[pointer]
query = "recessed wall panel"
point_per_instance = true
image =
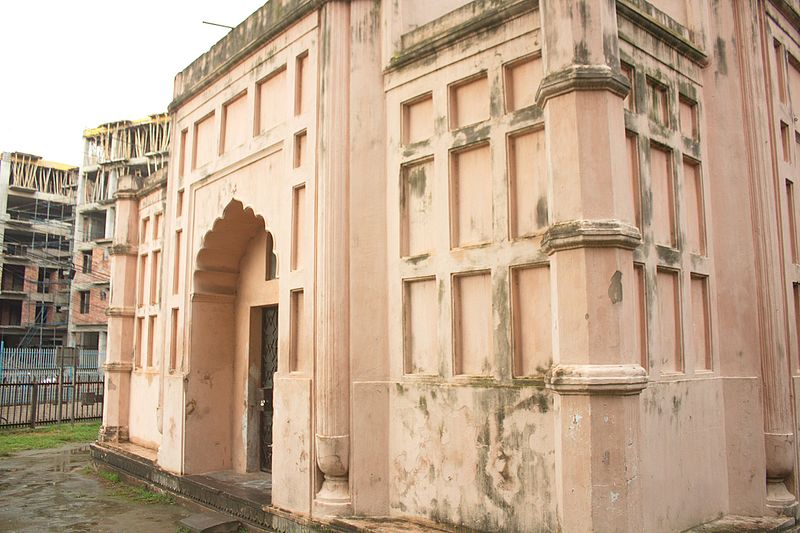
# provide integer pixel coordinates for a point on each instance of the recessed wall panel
(471, 196)
(299, 222)
(527, 162)
(417, 230)
(203, 142)
(472, 324)
(522, 81)
(236, 127)
(469, 101)
(420, 331)
(418, 119)
(669, 348)
(532, 320)
(640, 315)
(632, 150)
(663, 195)
(701, 323)
(693, 207)
(272, 101)
(299, 356)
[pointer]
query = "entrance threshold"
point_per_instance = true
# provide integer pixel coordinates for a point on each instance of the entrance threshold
(254, 488)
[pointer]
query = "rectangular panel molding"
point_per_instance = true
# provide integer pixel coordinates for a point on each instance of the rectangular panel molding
(472, 324)
(532, 320)
(420, 330)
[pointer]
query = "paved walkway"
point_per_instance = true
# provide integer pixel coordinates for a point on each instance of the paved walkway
(50, 490)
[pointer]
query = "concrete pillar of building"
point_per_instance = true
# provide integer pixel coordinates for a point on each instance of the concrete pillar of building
(596, 375)
(121, 313)
(754, 45)
(332, 372)
(5, 178)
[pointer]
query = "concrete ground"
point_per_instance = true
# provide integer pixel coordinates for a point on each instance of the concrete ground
(52, 490)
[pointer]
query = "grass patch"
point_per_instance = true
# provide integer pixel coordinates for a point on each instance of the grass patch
(21, 439)
(113, 477)
(136, 494)
(143, 495)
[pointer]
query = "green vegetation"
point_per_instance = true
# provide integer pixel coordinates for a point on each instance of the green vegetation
(113, 477)
(142, 495)
(137, 494)
(20, 439)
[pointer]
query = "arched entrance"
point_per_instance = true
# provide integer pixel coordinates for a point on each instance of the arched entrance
(233, 346)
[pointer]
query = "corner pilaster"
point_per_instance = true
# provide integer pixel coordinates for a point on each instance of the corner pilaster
(596, 376)
(121, 316)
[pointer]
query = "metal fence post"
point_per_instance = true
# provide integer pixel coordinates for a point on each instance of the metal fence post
(34, 404)
(60, 387)
(74, 394)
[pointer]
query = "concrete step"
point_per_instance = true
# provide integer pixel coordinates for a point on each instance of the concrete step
(210, 522)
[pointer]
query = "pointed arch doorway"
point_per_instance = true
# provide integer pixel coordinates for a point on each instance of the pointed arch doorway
(233, 352)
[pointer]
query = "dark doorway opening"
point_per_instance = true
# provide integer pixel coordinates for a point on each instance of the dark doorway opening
(269, 365)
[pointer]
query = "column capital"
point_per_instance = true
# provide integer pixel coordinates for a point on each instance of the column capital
(125, 194)
(618, 380)
(608, 233)
(122, 312)
(122, 249)
(118, 367)
(582, 78)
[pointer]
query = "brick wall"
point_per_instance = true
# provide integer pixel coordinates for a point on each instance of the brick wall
(87, 282)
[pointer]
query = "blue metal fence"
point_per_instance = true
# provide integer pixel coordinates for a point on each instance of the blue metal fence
(37, 388)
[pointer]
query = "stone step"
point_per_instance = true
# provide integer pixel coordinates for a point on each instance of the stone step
(210, 522)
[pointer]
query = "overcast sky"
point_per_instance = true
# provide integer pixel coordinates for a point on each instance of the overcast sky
(70, 65)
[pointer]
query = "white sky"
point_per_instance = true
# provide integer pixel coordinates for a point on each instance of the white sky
(70, 65)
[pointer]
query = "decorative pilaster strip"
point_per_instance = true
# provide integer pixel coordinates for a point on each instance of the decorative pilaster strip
(333, 266)
(770, 278)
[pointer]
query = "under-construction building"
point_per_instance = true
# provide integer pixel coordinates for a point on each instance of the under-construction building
(126, 150)
(37, 199)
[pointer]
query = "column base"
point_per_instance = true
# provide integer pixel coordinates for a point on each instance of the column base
(330, 507)
(113, 434)
(779, 449)
(779, 500)
(333, 458)
(333, 499)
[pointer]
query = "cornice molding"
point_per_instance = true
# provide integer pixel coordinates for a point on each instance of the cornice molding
(259, 28)
(635, 11)
(493, 15)
(787, 10)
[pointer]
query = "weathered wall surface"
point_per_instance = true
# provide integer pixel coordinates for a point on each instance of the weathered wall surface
(467, 203)
(683, 453)
(498, 441)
